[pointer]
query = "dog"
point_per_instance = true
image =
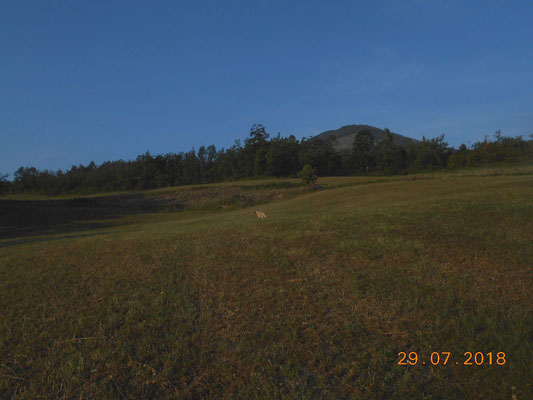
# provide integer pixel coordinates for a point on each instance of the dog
(260, 214)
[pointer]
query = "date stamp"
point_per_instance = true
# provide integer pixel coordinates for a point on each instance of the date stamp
(446, 358)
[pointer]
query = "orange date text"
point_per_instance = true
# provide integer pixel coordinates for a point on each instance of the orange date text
(446, 358)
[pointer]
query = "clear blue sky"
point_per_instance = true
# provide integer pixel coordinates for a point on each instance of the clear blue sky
(103, 80)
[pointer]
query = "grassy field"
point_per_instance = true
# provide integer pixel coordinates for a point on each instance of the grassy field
(314, 302)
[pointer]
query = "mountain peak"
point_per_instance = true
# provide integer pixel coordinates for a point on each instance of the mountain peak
(345, 136)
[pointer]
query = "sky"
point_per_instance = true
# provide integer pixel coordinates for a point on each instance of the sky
(85, 81)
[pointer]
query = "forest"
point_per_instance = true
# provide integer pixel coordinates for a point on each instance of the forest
(262, 155)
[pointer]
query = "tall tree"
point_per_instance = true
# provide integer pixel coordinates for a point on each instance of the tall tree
(258, 135)
(4, 183)
(255, 151)
(363, 150)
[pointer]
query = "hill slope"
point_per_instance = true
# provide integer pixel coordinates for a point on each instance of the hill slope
(345, 136)
(318, 301)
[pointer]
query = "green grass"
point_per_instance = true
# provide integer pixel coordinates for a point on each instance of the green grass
(316, 301)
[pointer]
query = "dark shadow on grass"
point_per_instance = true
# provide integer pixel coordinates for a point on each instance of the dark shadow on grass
(21, 218)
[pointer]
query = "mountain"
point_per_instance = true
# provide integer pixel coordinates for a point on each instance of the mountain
(345, 136)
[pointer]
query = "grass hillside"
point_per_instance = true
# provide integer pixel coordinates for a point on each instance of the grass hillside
(316, 301)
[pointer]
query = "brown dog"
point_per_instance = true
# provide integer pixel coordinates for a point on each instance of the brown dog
(260, 214)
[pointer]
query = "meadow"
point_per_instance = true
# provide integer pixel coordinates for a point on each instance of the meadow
(194, 297)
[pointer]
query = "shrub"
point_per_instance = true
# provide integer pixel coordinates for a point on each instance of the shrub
(308, 175)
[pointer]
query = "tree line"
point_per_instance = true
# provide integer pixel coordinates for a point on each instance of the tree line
(261, 155)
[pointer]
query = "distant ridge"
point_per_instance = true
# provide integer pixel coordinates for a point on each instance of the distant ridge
(345, 136)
